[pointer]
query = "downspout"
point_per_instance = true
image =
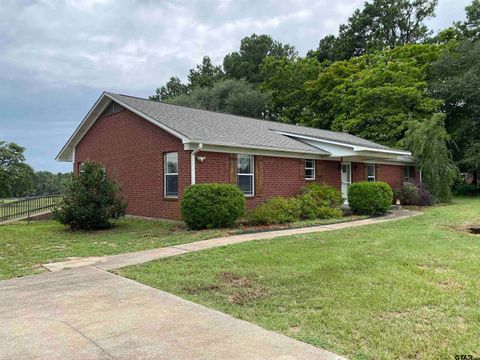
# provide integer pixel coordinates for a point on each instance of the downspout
(192, 163)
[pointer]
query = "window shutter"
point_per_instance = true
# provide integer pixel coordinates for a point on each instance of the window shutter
(302, 169)
(258, 175)
(233, 168)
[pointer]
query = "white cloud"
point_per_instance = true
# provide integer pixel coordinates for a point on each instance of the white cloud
(140, 44)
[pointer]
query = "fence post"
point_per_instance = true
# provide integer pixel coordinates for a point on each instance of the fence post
(28, 211)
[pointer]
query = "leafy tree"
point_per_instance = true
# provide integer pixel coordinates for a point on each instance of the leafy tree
(47, 183)
(205, 74)
(172, 88)
(284, 79)
(15, 176)
(374, 96)
(470, 28)
(245, 64)
(428, 142)
(231, 96)
(380, 24)
(91, 199)
(456, 80)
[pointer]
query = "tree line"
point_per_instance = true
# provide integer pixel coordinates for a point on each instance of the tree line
(385, 77)
(18, 179)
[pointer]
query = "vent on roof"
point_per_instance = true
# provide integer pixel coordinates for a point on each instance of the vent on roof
(112, 109)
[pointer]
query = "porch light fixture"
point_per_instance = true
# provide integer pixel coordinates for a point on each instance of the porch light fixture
(201, 158)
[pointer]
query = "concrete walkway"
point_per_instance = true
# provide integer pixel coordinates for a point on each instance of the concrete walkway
(117, 261)
(87, 313)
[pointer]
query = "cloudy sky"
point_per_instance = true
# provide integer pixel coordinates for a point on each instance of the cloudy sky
(56, 57)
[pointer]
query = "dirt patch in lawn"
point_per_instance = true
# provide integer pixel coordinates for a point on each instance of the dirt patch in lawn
(472, 228)
(238, 290)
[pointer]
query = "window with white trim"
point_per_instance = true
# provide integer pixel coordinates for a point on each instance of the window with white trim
(371, 175)
(406, 173)
(171, 174)
(309, 169)
(245, 174)
(81, 169)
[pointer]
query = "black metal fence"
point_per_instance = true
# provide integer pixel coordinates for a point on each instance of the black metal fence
(26, 207)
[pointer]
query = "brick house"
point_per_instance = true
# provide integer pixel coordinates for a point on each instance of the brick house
(156, 150)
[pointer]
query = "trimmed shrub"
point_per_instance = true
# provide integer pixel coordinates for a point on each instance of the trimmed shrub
(370, 198)
(318, 201)
(90, 200)
(206, 206)
(276, 210)
(464, 189)
(413, 194)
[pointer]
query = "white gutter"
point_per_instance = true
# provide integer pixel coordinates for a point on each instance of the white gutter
(192, 163)
(356, 148)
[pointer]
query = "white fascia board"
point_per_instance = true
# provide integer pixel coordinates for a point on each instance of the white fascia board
(383, 151)
(356, 148)
(69, 143)
(255, 150)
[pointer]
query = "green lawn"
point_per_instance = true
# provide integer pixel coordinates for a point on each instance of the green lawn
(24, 247)
(405, 289)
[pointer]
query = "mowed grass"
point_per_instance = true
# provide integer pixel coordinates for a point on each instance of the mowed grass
(408, 289)
(24, 247)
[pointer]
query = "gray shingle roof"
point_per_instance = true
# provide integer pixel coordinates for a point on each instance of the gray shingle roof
(232, 130)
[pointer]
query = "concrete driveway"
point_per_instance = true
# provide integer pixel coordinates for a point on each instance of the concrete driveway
(87, 313)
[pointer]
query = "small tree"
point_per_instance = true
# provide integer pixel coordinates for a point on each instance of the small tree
(90, 200)
(428, 141)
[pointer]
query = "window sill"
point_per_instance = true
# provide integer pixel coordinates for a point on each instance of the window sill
(309, 179)
(170, 198)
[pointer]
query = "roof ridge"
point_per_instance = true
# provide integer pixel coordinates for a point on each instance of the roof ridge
(291, 126)
(236, 115)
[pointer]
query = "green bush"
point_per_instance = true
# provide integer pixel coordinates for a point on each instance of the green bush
(413, 194)
(316, 200)
(206, 206)
(276, 210)
(90, 200)
(408, 194)
(370, 198)
(329, 213)
(464, 189)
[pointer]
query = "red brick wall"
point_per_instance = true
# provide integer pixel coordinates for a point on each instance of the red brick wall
(281, 176)
(329, 173)
(215, 168)
(132, 150)
(391, 174)
(359, 172)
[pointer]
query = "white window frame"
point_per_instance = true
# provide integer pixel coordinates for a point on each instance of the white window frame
(310, 168)
(251, 174)
(374, 176)
(166, 173)
(80, 168)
